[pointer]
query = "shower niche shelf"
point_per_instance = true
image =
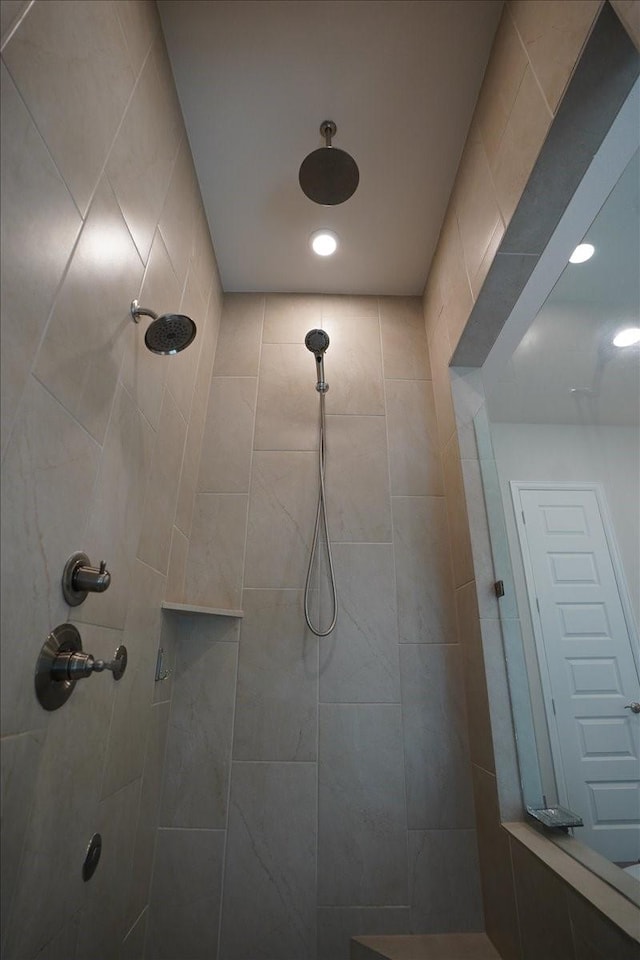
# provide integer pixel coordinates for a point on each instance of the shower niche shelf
(196, 608)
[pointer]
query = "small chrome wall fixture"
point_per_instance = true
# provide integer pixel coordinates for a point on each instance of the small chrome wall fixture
(79, 578)
(168, 334)
(62, 663)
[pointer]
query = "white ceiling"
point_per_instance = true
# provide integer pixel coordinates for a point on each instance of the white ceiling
(255, 79)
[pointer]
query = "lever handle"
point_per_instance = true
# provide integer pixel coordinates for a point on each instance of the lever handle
(75, 665)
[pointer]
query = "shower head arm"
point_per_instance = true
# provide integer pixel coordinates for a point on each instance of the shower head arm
(328, 130)
(137, 312)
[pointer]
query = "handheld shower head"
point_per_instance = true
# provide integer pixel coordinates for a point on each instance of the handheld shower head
(317, 342)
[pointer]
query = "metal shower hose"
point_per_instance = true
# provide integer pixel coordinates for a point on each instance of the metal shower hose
(321, 517)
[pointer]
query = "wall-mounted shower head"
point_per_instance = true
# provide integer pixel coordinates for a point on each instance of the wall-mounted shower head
(168, 334)
(317, 342)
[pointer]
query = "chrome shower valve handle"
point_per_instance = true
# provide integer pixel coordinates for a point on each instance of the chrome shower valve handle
(62, 663)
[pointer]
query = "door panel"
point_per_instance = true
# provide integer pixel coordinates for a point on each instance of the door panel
(585, 650)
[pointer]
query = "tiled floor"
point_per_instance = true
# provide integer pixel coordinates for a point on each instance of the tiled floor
(446, 946)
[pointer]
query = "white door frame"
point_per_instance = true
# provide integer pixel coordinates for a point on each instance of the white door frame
(618, 572)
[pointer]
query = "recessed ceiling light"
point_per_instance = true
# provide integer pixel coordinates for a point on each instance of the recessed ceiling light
(584, 251)
(324, 242)
(627, 337)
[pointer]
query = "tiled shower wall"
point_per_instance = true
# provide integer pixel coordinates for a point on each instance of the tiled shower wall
(536, 48)
(316, 789)
(100, 447)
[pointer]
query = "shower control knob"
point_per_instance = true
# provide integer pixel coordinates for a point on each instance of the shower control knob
(62, 662)
(79, 578)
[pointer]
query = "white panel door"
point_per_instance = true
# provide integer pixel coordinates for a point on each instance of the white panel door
(586, 640)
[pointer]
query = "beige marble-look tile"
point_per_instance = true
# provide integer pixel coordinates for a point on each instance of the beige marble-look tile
(457, 513)
(498, 895)
(553, 33)
(203, 263)
(177, 565)
(629, 13)
(214, 564)
(182, 371)
(48, 477)
(133, 693)
(144, 373)
(20, 760)
(594, 937)
(140, 24)
(148, 819)
(353, 365)
(436, 751)
(444, 881)
(90, 327)
(145, 149)
(476, 204)
(455, 287)
(521, 143)
(289, 316)
(225, 462)
(404, 340)
(440, 350)
(238, 350)
(505, 70)
(40, 223)
(479, 277)
(432, 300)
(133, 944)
(198, 758)
(176, 223)
(357, 480)
(113, 530)
(337, 925)
(540, 893)
(414, 455)
(193, 446)
(347, 308)
(284, 491)
(359, 659)
(426, 608)
(277, 691)
(475, 681)
(162, 488)
(10, 13)
(287, 404)
(69, 771)
(76, 101)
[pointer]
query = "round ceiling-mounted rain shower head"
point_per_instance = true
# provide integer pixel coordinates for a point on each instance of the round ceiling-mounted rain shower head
(329, 176)
(168, 334)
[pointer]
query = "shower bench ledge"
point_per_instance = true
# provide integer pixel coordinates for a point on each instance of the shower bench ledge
(438, 946)
(196, 608)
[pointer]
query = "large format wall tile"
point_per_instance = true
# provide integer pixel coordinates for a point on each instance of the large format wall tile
(277, 692)
(269, 907)
(176, 223)
(47, 480)
(287, 406)
(540, 893)
(214, 565)
(438, 770)
(238, 352)
(181, 371)
(90, 327)
(362, 852)
(404, 342)
(359, 660)
(281, 515)
(228, 434)
(353, 365)
(426, 611)
(475, 687)
(187, 889)
(198, 756)
(117, 509)
(76, 101)
(336, 926)
(39, 226)
(162, 487)
(357, 478)
(145, 149)
(444, 881)
(414, 457)
(288, 317)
